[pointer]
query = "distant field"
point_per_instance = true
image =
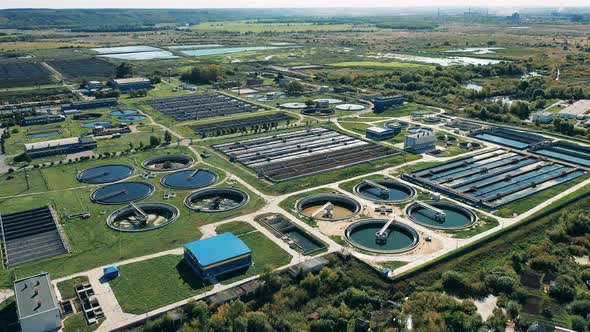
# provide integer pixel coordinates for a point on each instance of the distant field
(84, 68)
(245, 26)
(378, 64)
(31, 46)
(24, 74)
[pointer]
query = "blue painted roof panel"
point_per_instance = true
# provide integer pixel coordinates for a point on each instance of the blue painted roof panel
(217, 249)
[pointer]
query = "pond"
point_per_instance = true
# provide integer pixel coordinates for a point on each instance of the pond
(476, 50)
(442, 61)
(44, 134)
(225, 50)
(141, 55)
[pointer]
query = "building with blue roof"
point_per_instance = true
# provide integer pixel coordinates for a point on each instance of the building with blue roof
(217, 255)
(382, 133)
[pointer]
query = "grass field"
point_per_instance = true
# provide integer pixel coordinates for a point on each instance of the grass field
(235, 227)
(252, 26)
(150, 284)
(265, 254)
(153, 283)
(77, 323)
(66, 288)
(31, 46)
(377, 64)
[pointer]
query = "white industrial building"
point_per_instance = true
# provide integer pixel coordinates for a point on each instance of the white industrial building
(36, 304)
(420, 142)
(578, 110)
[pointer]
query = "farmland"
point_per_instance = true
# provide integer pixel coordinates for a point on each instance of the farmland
(84, 68)
(24, 74)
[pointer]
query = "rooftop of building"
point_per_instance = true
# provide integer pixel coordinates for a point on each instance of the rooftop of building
(578, 108)
(388, 97)
(102, 100)
(34, 295)
(217, 249)
(379, 129)
(43, 116)
(54, 143)
(131, 80)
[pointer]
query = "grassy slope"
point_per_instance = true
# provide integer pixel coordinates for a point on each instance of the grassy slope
(235, 227)
(66, 288)
(156, 282)
(265, 253)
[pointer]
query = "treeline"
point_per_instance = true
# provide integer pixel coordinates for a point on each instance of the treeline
(202, 74)
(89, 18)
(550, 262)
(120, 28)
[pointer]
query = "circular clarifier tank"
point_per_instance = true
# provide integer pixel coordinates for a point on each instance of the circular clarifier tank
(396, 124)
(415, 130)
(294, 105)
(122, 192)
(142, 217)
(95, 124)
(317, 111)
(385, 191)
(167, 162)
(446, 138)
(369, 235)
(350, 107)
(123, 112)
(132, 118)
(328, 207)
(216, 199)
(328, 100)
(441, 215)
(469, 145)
(105, 174)
(189, 179)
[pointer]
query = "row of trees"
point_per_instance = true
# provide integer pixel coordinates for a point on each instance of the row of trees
(202, 74)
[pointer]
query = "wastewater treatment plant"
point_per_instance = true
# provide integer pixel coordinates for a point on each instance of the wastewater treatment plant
(294, 170)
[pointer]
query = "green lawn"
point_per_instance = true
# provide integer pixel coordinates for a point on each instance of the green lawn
(66, 288)
(377, 64)
(153, 283)
(252, 26)
(265, 254)
(394, 264)
(235, 227)
(77, 323)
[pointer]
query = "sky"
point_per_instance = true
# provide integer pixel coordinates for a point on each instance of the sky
(284, 3)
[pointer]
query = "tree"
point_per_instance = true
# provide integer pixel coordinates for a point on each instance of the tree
(124, 70)
(455, 283)
(154, 141)
(294, 88)
(564, 289)
(258, 322)
(202, 74)
(167, 137)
